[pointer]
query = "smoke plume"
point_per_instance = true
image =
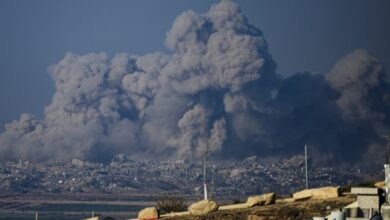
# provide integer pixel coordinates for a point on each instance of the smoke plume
(216, 91)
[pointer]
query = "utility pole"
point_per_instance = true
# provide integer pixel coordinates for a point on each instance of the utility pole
(204, 176)
(307, 179)
(213, 188)
(388, 148)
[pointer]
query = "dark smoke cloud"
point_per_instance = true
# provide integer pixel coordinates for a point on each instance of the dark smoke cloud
(216, 91)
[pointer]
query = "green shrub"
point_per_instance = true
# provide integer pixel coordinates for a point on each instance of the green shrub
(167, 204)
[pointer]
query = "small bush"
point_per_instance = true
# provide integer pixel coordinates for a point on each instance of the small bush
(237, 201)
(367, 184)
(168, 204)
(345, 189)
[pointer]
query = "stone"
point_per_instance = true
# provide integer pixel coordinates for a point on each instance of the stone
(365, 191)
(368, 202)
(326, 193)
(149, 213)
(203, 207)
(318, 193)
(304, 194)
(264, 199)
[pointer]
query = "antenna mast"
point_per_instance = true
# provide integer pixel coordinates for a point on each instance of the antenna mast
(307, 179)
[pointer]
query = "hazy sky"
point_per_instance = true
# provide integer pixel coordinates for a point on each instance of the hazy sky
(303, 35)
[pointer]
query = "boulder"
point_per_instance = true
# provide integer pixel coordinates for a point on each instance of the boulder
(203, 207)
(318, 193)
(149, 213)
(264, 199)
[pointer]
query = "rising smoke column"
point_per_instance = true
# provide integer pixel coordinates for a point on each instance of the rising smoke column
(216, 91)
(363, 91)
(166, 103)
(354, 77)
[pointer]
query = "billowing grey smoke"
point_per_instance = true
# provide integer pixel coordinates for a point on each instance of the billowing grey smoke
(216, 91)
(354, 77)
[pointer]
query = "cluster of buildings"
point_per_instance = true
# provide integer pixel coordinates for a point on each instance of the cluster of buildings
(246, 177)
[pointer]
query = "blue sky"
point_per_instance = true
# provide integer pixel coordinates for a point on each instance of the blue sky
(303, 35)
